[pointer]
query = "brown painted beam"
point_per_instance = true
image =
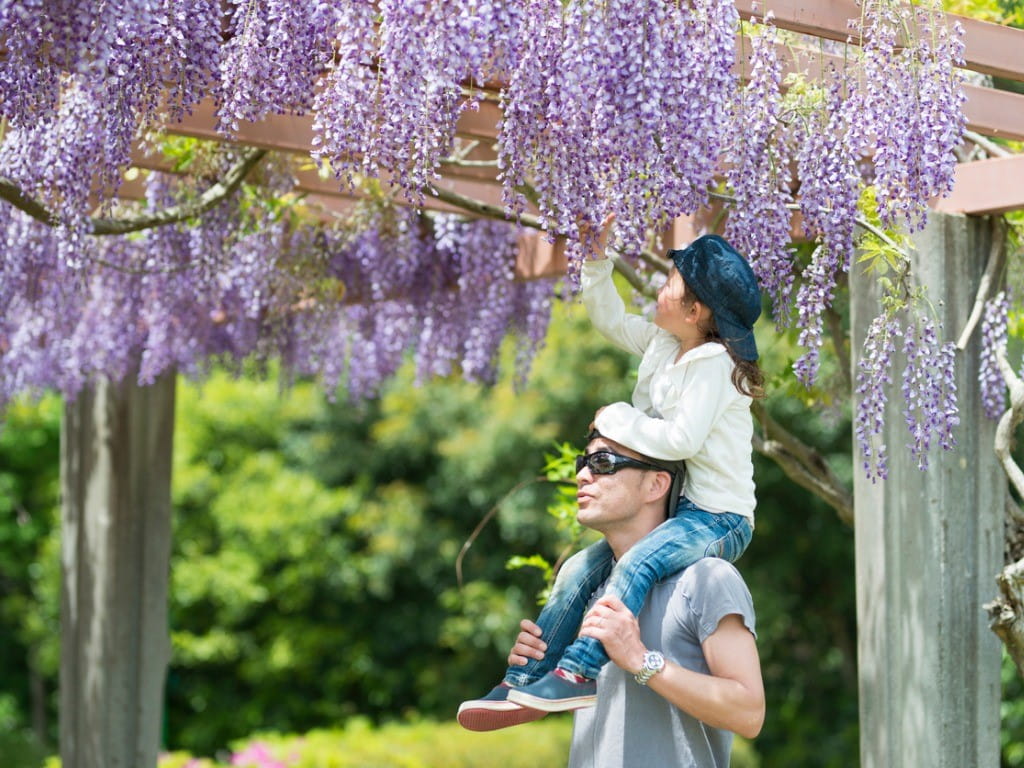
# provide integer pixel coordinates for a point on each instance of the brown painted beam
(988, 111)
(990, 49)
(986, 187)
(329, 193)
(294, 133)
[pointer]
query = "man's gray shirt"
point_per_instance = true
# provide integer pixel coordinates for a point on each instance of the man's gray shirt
(633, 727)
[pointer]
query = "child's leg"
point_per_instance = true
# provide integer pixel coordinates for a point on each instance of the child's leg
(578, 578)
(675, 544)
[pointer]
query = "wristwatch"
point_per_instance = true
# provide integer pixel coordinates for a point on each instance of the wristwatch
(654, 662)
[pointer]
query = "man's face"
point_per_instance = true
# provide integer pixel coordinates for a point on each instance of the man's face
(607, 500)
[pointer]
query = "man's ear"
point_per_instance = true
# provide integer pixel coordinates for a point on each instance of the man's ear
(659, 483)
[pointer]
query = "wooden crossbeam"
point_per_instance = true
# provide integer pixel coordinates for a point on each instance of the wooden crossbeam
(986, 187)
(990, 49)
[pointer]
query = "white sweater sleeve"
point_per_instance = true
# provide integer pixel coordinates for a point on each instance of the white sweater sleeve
(607, 312)
(686, 422)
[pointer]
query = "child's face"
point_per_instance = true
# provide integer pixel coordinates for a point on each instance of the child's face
(671, 311)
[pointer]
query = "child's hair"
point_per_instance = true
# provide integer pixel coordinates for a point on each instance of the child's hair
(747, 376)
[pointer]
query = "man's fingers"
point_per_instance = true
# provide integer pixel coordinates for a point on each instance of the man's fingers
(612, 602)
(528, 626)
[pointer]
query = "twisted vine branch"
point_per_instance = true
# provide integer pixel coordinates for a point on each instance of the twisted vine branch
(12, 193)
(1006, 612)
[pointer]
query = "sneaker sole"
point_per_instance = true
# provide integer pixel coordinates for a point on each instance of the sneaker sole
(552, 705)
(492, 719)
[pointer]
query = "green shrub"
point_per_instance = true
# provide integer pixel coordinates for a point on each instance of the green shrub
(20, 749)
(421, 744)
(417, 745)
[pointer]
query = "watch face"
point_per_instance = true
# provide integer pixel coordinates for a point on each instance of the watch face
(654, 660)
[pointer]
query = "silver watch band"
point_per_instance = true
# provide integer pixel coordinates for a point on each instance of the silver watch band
(654, 662)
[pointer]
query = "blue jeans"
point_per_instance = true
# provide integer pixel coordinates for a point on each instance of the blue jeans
(680, 541)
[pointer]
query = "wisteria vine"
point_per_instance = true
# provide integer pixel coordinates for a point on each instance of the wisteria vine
(626, 106)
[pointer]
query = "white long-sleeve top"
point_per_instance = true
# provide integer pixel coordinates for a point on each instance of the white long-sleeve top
(686, 409)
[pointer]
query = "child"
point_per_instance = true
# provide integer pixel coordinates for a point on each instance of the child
(697, 375)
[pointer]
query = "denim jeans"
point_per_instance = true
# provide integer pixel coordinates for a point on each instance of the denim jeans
(680, 541)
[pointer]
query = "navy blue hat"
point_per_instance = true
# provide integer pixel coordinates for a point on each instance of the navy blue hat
(723, 281)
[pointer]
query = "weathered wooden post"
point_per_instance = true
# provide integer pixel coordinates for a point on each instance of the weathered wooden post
(928, 545)
(116, 509)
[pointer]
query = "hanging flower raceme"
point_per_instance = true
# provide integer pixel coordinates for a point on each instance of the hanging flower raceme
(759, 175)
(993, 344)
(618, 107)
(874, 375)
(910, 105)
(275, 54)
(390, 102)
(929, 390)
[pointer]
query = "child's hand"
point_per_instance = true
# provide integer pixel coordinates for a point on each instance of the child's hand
(528, 645)
(601, 242)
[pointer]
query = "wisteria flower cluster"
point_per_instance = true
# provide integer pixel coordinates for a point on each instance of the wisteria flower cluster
(346, 307)
(618, 107)
(993, 343)
(874, 376)
(929, 389)
(391, 99)
(759, 177)
(637, 107)
(927, 384)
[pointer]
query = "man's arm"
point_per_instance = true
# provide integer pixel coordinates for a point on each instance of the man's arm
(731, 697)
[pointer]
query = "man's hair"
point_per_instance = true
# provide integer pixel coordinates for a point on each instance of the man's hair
(675, 468)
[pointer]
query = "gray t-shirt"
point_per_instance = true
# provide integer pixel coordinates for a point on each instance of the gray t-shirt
(633, 727)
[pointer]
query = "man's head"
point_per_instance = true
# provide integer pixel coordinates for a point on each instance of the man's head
(621, 493)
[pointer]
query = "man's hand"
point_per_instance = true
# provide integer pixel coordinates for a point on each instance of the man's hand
(528, 645)
(611, 622)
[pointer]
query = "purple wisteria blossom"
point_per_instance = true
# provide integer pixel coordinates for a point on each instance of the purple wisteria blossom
(993, 344)
(929, 390)
(874, 375)
(634, 107)
(348, 306)
(759, 176)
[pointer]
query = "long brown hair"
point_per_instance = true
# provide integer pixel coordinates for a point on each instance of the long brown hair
(747, 376)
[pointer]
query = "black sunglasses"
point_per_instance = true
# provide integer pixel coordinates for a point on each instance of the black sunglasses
(608, 463)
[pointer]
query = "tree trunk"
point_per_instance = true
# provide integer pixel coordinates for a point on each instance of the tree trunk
(115, 480)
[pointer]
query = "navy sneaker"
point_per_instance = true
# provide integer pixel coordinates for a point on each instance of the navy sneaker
(555, 693)
(495, 711)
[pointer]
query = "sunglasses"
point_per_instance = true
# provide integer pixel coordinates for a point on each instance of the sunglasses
(608, 463)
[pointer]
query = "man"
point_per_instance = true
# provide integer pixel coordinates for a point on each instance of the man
(685, 675)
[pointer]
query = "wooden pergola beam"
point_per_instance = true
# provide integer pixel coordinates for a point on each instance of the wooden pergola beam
(986, 187)
(990, 49)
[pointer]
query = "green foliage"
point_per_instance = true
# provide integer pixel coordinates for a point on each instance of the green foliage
(29, 561)
(559, 469)
(19, 747)
(1009, 12)
(419, 744)
(315, 543)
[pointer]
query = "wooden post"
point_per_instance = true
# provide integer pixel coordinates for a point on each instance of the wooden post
(928, 546)
(115, 553)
